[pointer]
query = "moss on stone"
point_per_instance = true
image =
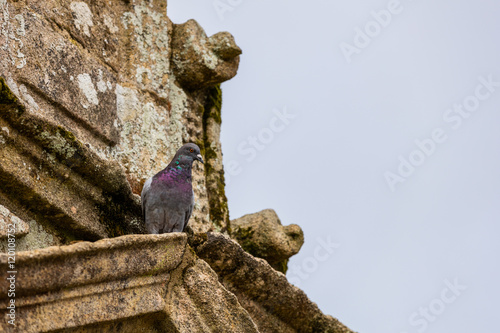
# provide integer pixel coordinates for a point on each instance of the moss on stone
(7, 97)
(214, 104)
(281, 266)
(219, 212)
(218, 208)
(197, 239)
(201, 144)
(61, 144)
(54, 139)
(245, 237)
(39, 208)
(67, 135)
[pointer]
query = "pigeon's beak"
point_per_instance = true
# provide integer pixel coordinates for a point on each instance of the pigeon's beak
(199, 158)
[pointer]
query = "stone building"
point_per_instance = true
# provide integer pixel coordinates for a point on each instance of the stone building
(95, 97)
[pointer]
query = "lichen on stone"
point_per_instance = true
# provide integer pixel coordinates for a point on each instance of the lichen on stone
(56, 143)
(152, 40)
(83, 17)
(37, 238)
(88, 89)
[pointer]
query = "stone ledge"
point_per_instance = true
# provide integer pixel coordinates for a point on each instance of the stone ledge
(156, 283)
(133, 283)
(89, 263)
(274, 304)
(62, 287)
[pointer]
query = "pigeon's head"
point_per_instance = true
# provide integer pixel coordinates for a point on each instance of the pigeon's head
(188, 154)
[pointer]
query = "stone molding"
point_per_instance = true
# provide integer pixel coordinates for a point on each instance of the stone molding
(133, 283)
(58, 180)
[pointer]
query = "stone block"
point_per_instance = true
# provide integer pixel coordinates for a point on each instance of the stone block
(263, 235)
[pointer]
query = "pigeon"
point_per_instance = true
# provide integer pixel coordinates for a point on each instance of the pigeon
(167, 197)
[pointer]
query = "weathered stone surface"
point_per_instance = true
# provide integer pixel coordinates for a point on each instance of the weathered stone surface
(262, 235)
(223, 44)
(102, 71)
(37, 237)
(214, 170)
(56, 78)
(114, 285)
(273, 303)
(95, 97)
(198, 303)
(200, 61)
(155, 283)
(11, 224)
(61, 183)
(59, 288)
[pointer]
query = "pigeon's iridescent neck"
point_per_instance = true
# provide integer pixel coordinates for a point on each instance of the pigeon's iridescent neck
(176, 171)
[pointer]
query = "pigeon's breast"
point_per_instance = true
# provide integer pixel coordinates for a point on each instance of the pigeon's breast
(168, 187)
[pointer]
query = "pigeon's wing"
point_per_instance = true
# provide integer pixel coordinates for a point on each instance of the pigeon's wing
(188, 213)
(144, 196)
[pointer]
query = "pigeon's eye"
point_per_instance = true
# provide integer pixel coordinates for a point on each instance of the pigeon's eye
(191, 150)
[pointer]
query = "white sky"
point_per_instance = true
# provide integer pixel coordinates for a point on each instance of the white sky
(396, 254)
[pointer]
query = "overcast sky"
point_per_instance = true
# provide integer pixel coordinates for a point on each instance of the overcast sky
(374, 125)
